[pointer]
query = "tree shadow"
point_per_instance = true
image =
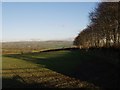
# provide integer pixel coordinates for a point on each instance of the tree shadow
(18, 82)
(91, 65)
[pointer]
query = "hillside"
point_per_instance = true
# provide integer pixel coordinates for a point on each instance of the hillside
(33, 46)
(80, 68)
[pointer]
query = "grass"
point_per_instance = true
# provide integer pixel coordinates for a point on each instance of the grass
(29, 71)
(32, 46)
(61, 69)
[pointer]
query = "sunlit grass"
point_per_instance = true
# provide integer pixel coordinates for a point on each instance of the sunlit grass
(28, 72)
(64, 68)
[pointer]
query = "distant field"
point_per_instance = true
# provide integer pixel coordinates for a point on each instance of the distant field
(62, 69)
(33, 46)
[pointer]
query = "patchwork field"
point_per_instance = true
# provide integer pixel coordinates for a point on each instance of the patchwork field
(33, 46)
(61, 69)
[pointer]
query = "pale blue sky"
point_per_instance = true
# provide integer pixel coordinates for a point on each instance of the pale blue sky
(0, 22)
(53, 0)
(44, 21)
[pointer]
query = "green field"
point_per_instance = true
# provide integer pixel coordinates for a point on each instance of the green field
(32, 46)
(61, 69)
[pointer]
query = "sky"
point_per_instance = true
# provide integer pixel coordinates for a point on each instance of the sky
(0, 22)
(52, 0)
(22, 21)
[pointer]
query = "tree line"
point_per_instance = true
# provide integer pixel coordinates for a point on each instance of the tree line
(103, 29)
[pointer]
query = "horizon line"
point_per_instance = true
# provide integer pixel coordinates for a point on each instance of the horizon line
(35, 40)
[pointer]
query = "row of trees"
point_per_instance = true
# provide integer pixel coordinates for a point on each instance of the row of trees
(103, 29)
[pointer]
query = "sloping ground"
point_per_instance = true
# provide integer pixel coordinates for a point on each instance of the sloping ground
(18, 73)
(63, 68)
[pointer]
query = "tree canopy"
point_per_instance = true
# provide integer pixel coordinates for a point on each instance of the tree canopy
(103, 29)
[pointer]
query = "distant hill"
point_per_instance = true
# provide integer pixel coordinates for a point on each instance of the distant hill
(33, 46)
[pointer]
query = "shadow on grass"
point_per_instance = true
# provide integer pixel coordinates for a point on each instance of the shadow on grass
(18, 82)
(97, 66)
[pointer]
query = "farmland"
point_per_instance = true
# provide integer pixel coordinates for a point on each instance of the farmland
(87, 56)
(61, 68)
(30, 71)
(32, 46)
(74, 68)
